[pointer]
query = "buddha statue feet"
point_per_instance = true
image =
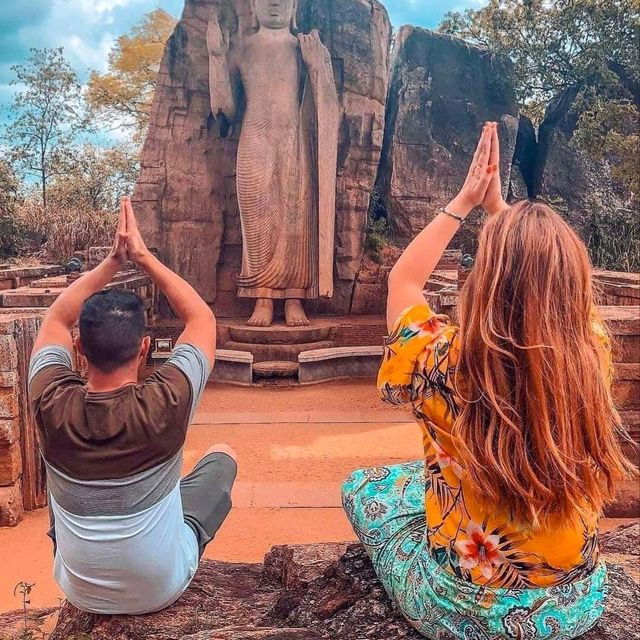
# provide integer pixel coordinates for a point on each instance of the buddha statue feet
(294, 314)
(262, 314)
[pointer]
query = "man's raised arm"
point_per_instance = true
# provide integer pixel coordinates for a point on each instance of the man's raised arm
(64, 312)
(200, 323)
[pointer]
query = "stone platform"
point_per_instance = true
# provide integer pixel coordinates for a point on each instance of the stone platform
(42, 292)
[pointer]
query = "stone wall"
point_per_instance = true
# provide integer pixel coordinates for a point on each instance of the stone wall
(22, 479)
(186, 195)
(12, 277)
(372, 284)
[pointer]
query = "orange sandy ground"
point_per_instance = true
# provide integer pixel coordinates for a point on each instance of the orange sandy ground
(295, 446)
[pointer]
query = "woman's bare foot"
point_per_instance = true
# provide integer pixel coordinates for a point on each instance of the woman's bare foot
(294, 314)
(262, 314)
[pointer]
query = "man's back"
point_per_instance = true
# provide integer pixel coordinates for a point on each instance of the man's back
(128, 532)
(113, 469)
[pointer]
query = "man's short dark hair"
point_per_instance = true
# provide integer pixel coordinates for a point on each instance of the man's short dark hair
(112, 326)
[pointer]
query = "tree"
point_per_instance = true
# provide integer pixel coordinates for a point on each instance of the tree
(10, 229)
(46, 116)
(9, 188)
(124, 95)
(95, 178)
(557, 44)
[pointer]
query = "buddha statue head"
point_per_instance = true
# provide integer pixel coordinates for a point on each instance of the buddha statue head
(275, 14)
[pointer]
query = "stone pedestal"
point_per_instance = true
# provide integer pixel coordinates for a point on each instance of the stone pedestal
(274, 349)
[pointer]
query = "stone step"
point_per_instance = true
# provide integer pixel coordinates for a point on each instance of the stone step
(277, 352)
(275, 369)
(281, 334)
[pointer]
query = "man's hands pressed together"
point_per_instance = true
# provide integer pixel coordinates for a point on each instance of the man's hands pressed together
(128, 244)
(128, 235)
(200, 323)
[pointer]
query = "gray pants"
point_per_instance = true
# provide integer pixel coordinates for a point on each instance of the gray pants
(206, 495)
(206, 498)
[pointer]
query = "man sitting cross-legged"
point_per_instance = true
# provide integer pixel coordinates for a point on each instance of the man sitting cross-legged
(128, 533)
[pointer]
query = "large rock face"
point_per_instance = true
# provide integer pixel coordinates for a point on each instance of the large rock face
(318, 592)
(579, 188)
(441, 92)
(186, 194)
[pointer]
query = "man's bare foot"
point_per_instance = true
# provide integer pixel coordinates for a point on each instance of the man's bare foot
(262, 314)
(294, 314)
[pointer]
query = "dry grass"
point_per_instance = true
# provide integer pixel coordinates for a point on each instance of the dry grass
(54, 234)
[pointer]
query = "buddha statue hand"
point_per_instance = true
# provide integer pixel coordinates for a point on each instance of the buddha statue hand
(314, 53)
(217, 41)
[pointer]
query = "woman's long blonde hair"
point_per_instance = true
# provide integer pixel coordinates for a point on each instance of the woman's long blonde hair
(538, 432)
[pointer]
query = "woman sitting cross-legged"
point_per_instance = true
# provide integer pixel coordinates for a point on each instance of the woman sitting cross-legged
(494, 534)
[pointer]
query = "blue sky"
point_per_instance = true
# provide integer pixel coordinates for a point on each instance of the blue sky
(87, 28)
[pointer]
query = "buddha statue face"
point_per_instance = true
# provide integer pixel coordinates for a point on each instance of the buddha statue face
(275, 14)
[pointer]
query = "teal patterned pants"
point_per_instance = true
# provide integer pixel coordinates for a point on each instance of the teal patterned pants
(386, 508)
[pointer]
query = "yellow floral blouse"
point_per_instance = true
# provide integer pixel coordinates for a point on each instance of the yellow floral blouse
(419, 365)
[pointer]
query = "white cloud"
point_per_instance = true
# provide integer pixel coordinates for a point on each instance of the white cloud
(84, 53)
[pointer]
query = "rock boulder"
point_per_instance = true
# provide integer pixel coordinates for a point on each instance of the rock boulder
(442, 90)
(581, 189)
(318, 592)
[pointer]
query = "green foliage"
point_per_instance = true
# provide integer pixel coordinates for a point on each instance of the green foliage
(95, 178)
(614, 240)
(608, 130)
(557, 44)
(377, 238)
(124, 94)
(46, 117)
(378, 232)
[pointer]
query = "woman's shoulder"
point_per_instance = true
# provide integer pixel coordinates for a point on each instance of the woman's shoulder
(419, 338)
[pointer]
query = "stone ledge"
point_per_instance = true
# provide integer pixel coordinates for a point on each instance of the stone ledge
(335, 353)
(229, 355)
(232, 366)
(322, 365)
(317, 592)
(317, 331)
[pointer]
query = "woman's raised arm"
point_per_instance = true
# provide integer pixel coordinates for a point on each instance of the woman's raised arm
(407, 279)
